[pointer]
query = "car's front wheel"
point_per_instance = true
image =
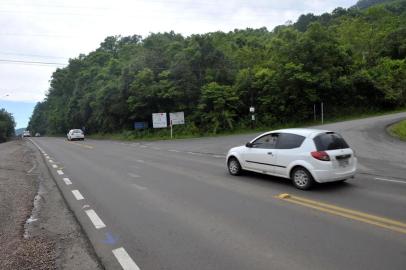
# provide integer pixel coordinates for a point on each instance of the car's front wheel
(234, 167)
(301, 178)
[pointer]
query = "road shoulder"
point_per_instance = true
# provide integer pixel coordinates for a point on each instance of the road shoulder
(51, 238)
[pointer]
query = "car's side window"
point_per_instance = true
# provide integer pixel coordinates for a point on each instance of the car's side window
(266, 142)
(289, 141)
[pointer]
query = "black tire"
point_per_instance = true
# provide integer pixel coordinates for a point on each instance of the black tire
(234, 166)
(302, 178)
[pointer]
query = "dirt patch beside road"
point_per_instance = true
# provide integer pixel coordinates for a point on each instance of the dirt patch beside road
(51, 239)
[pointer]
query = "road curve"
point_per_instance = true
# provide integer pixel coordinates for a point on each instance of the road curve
(172, 204)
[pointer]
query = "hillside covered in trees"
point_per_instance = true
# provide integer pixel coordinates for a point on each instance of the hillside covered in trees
(351, 60)
(7, 125)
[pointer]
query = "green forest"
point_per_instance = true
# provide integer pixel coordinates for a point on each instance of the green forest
(351, 60)
(7, 125)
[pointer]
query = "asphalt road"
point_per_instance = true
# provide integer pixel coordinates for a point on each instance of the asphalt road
(173, 205)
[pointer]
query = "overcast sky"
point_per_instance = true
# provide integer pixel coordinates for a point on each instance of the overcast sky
(52, 31)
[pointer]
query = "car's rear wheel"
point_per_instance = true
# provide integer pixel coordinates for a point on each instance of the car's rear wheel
(234, 167)
(301, 178)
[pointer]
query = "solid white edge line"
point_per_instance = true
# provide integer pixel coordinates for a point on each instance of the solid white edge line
(390, 180)
(67, 181)
(124, 259)
(94, 218)
(78, 195)
(60, 172)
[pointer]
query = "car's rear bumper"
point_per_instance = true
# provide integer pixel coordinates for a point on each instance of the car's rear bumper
(324, 176)
(77, 137)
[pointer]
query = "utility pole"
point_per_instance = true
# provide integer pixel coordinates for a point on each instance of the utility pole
(314, 111)
(322, 113)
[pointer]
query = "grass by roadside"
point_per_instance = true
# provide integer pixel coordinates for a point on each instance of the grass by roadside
(182, 132)
(399, 130)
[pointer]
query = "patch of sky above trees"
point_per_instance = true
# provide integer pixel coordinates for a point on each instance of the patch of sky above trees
(351, 60)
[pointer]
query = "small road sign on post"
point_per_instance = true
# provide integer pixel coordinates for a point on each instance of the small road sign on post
(159, 120)
(176, 118)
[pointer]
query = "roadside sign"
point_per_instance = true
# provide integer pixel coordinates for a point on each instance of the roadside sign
(159, 120)
(177, 118)
(140, 125)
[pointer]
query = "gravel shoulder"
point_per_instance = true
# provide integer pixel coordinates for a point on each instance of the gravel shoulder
(37, 230)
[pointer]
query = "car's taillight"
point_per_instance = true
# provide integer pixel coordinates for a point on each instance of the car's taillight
(321, 155)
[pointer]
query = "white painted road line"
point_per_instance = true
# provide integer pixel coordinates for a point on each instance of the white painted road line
(134, 175)
(54, 166)
(67, 181)
(60, 172)
(173, 150)
(94, 218)
(77, 195)
(140, 161)
(124, 259)
(390, 180)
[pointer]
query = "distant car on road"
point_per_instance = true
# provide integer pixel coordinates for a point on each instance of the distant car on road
(37, 135)
(303, 155)
(75, 134)
(26, 133)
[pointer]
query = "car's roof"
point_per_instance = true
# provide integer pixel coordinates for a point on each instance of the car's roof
(301, 131)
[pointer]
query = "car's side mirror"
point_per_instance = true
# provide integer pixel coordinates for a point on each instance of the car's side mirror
(248, 144)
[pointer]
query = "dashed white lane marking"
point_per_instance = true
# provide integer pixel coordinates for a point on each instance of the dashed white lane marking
(173, 150)
(134, 175)
(67, 181)
(51, 161)
(143, 146)
(390, 180)
(140, 161)
(94, 218)
(54, 166)
(124, 259)
(77, 195)
(60, 172)
(219, 156)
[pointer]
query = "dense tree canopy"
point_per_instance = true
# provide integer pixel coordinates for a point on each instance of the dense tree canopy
(348, 59)
(7, 125)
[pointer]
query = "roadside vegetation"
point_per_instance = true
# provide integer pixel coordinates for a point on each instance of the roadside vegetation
(399, 130)
(7, 125)
(351, 60)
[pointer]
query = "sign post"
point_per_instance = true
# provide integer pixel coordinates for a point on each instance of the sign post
(171, 130)
(176, 118)
(252, 111)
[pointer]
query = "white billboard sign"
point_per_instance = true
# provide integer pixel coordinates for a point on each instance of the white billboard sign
(177, 118)
(159, 120)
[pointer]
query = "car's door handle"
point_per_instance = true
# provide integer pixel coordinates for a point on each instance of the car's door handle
(270, 153)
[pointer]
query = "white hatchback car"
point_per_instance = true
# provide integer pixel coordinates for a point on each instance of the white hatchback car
(75, 134)
(303, 155)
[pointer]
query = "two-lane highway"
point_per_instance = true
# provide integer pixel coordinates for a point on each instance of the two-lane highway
(172, 204)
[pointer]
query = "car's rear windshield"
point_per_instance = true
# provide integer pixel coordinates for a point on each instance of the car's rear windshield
(77, 131)
(329, 141)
